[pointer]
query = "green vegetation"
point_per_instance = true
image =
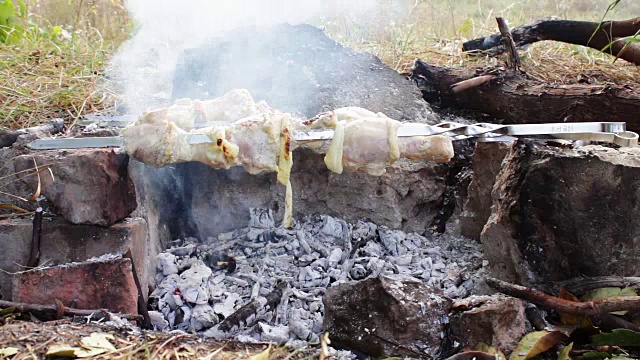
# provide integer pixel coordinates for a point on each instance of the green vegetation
(53, 52)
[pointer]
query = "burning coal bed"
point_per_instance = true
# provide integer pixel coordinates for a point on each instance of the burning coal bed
(264, 283)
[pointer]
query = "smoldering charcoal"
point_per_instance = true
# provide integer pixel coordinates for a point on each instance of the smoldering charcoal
(264, 283)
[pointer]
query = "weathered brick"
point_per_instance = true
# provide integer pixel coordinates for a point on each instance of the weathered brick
(98, 284)
(62, 242)
(90, 186)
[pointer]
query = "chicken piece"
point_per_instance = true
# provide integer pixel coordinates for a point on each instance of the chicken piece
(188, 114)
(329, 119)
(255, 143)
(372, 143)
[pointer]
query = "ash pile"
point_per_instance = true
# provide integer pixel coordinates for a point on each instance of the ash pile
(265, 283)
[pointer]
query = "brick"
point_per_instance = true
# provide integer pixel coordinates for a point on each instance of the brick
(62, 242)
(104, 284)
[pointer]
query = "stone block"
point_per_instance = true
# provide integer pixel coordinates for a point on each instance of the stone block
(486, 164)
(386, 316)
(499, 322)
(106, 283)
(560, 213)
(89, 186)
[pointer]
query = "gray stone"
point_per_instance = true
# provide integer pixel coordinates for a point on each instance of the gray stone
(486, 164)
(89, 186)
(497, 321)
(62, 242)
(561, 213)
(372, 315)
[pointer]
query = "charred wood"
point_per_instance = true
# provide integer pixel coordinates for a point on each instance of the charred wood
(34, 255)
(516, 99)
(569, 31)
(251, 310)
(9, 137)
(142, 304)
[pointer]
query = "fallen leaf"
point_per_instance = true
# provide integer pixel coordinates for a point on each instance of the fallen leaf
(61, 350)
(8, 351)
(618, 337)
(536, 343)
(85, 353)
(608, 293)
(99, 341)
(263, 355)
(491, 350)
(564, 352)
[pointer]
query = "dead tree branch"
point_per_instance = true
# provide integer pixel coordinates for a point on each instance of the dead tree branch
(569, 31)
(587, 308)
(513, 61)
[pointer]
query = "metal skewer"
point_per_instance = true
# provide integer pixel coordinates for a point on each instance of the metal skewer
(612, 132)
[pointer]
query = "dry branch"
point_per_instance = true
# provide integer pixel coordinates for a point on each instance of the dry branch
(513, 62)
(586, 308)
(569, 31)
(54, 310)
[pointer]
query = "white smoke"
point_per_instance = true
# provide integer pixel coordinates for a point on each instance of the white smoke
(143, 67)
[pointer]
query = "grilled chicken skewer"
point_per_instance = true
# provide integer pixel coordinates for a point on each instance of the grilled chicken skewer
(234, 130)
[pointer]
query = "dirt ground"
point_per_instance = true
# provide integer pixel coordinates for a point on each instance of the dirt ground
(33, 340)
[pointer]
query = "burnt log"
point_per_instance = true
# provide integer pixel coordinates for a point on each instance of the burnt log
(517, 99)
(9, 137)
(592, 34)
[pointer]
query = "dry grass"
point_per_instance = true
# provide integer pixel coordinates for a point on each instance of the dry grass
(41, 79)
(44, 77)
(56, 70)
(434, 30)
(33, 340)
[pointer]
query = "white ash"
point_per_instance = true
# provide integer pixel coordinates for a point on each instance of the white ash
(199, 285)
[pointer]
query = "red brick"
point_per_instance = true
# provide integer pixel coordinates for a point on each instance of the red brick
(101, 284)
